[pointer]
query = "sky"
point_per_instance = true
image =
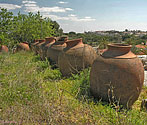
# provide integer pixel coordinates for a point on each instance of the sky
(86, 15)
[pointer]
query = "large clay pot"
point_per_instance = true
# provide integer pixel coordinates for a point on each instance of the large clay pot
(37, 47)
(45, 46)
(3, 49)
(55, 49)
(22, 46)
(117, 75)
(33, 44)
(75, 57)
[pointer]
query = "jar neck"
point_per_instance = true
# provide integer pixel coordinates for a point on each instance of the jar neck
(119, 47)
(25, 42)
(118, 51)
(75, 42)
(41, 40)
(50, 39)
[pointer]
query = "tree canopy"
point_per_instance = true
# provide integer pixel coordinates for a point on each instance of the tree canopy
(25, 27)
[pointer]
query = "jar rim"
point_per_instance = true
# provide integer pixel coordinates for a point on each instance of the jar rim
(119, 45)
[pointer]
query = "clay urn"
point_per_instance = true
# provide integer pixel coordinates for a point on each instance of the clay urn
(3, 49)
(55, 49)
(75, 57)
(37, 47)
(34, 44)
(45, 46)
(22, 46)
(117, 75)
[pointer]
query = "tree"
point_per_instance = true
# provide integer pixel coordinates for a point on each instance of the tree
(103, 43)
(24, 27)
(5, 24)
(58, 30)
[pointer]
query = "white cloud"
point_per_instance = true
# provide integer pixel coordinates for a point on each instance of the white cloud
(9, 6)
(29, 2)
(71, 15)
(68, 9)
(46, 9)
(62, 2)
(30, 5)
(55, 17)
(87, 17)
(69, 18)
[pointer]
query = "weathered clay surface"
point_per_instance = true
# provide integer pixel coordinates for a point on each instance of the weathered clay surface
(75, 57)
(3, 49)
(33, 46)
(55, 49)
(44, 47)
(118, 74)
(41, 41)
(23, 46)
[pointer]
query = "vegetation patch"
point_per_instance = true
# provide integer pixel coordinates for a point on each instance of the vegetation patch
(34, 93)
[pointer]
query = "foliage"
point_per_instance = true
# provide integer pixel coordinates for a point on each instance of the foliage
(58, 30)
(33, 93)
(95, 39)
(133, 40)
(5, 24)
(22, 27)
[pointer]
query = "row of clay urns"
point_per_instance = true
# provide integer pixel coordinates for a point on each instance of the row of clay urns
(3, 49)
(22, 46)
(56, 48)
(49, 48)
(33, 45)
(44, 47)
(117, 75)
(71, 56)
(38, 44)
(75, 57)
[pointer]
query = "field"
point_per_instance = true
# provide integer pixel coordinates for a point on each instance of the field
(32, 92)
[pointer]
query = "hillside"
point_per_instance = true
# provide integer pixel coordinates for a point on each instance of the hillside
(34, 93)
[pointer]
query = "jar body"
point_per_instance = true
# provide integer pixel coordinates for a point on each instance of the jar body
(38, 49)
(117, 79)
(22, 46)
(3, 49)
(44, 47)
(74, 59)
(33, 46)
(54, 50)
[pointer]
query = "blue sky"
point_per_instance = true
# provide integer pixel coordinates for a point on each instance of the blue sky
(86, 15)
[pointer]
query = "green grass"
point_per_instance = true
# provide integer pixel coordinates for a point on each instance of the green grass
(33, 93)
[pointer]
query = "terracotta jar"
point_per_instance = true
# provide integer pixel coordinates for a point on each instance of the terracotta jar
(34, 44)
(75, 57)
(55, 49)
(37, 47)
(45, 46)
(117, 75)
(3, 49)
(22, 46)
